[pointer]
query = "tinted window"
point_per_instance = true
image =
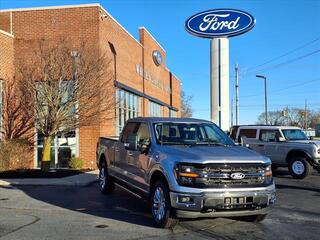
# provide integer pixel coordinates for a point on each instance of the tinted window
(129, 129)
(143, 134)
(269, 135)
(249, 133)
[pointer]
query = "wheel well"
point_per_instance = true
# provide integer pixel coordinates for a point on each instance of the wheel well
(297, 153)
(157, 175)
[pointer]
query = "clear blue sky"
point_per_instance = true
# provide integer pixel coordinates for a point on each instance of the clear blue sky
(282, 26)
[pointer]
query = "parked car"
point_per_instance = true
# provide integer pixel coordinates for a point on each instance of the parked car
(186, 168)
(286, 147)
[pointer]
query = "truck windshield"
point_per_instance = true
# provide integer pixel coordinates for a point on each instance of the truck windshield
(190, 134)
(294, 134)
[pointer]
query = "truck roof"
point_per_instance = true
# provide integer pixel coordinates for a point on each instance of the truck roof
(267, 127)
(168, 119)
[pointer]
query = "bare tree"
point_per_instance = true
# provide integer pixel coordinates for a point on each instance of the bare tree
(69, 88)
(17, 121)
(186, 109)
(291, 117)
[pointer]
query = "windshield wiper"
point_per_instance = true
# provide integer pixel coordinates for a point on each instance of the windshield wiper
(212, 143)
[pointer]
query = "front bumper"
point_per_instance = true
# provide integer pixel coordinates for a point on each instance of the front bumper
(224, 202)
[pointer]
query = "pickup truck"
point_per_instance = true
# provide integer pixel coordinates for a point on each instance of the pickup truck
(286, 146)
(186, 168)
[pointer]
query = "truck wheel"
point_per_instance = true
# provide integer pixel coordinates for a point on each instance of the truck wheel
(254, 218)
(299, 167)
(106, 184)
(161, 207)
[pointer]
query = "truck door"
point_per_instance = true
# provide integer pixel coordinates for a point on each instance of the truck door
(121, 154)
(138, 162)
(268, 141)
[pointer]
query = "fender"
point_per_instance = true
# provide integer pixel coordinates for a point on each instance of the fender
(300, 152)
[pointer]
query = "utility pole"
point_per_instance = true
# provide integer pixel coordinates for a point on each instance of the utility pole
(305, 115)
(231, 112)
(265, 96)
(237, 94)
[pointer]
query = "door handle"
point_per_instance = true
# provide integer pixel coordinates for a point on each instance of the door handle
(130, 153)
(260, 145)
(117, 149)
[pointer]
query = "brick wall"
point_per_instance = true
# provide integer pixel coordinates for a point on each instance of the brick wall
(7, 55)
(95, 27)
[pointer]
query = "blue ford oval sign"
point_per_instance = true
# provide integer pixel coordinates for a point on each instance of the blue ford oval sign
(219, 23)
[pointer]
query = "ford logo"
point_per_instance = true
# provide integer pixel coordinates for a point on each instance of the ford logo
(237, 176)
(219, 23)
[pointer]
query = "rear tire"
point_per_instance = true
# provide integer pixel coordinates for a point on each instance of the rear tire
(106, 184)
(299, 167)
(254, 218)
(160, 206)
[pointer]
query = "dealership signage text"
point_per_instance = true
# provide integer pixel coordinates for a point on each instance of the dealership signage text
(219, 23)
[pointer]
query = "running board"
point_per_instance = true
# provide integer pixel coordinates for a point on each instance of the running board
(129, 191)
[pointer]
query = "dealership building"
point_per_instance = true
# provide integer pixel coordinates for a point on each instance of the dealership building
(142, 80)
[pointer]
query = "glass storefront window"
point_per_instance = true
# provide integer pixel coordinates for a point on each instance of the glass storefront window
(63, 148)
(155, 109)
(128, 107)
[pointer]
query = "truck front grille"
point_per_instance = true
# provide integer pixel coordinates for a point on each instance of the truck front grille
(231, 176)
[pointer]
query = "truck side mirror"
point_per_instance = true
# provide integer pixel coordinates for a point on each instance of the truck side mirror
(311, 138)
(131, 142)
(281, 139)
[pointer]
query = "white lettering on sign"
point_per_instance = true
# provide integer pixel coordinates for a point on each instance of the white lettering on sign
(147, 76)
(213, 21)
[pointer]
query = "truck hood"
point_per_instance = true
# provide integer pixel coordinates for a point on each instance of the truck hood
(212, 154)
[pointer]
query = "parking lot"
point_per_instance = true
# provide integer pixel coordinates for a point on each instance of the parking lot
(83, 213)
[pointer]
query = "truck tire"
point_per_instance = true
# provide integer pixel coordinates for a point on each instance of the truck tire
(254, 218)
(160, 206)
(106, 184)
(299, 167)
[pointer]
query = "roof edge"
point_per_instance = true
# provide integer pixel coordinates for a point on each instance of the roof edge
(142, 27)
(51, 7)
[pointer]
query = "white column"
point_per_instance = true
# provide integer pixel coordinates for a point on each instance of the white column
(219, 82)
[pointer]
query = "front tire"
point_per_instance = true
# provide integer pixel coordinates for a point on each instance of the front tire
(299, 167)
(106, 184)
(161, 207)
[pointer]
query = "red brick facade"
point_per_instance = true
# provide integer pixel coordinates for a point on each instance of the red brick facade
(135, 67)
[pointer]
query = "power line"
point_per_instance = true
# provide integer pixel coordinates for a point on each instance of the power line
(287, 62)
(283, 89)
(285, 54)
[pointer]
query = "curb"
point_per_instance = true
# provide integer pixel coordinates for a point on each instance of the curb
(80, 180)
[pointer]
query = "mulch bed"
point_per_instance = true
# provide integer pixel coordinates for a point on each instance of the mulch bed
(37, 173)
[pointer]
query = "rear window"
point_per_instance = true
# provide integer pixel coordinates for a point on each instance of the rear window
(248, 133)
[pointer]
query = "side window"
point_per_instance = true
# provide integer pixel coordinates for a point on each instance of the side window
(268, 135)
(130, 128)
(143, 134)
(248, 133)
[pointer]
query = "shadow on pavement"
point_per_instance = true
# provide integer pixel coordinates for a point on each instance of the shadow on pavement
(120, 205)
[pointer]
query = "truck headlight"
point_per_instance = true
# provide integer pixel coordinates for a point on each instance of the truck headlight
(268, 175)
(268, 171)
(185, 174)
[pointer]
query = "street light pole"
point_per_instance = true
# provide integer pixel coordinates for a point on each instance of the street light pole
(265, 96)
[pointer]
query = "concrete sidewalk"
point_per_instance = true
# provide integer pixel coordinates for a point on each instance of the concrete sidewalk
(79, 180)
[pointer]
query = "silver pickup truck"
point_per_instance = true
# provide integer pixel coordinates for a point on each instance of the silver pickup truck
(286, 146)
(186, 168)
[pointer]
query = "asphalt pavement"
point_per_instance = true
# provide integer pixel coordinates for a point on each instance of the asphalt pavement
(74, 212)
